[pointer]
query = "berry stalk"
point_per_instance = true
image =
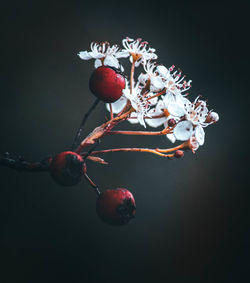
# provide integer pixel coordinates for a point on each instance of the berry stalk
(79, 131)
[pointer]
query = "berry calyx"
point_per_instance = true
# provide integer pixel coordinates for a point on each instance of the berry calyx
(116, 207)
(66, 168)
(107, 83)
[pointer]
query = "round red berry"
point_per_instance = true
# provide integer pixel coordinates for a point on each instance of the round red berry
(107, 83)
(66, 168)
(116, 207)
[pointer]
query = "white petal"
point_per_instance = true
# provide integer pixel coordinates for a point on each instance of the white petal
(141, 120)
(185, 101)
(122, 54)
(111, 61)
(214, 116)
(98, 63)
(134, 120)
(156, 84)
(138, 62)
(143, 78)
(132, 99)
(126, 90)
(96, 55)
(159, 107)
(179, 99)
(162, 70)
(176, 109)
(153, 101)
(199, 134)
(171, 137)
(84, 55)
(183, 130)
(118, 105)
(155, 122)
(168, 98)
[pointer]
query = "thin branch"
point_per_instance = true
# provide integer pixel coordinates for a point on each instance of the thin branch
(91, 150)
(21, 165)
(181, 146)
(79, 131)
(141, 133)
(101, 131)
(132, 76)
(135, 149)
(93, 185)
(157, 94)
(111, 111)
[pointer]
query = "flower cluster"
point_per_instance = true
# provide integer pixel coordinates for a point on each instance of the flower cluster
(159, 96)
(156, 98)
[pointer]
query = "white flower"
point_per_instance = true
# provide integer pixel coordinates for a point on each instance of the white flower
(139, 50)
(139, 103)
(157, 112)
(192, 144)
(152, 76)
(104, 54)
(193, 119)
(119, 105)
(174, 84)
(162, 117)
(212, 117)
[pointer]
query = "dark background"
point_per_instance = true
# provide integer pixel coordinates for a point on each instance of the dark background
(192, 222)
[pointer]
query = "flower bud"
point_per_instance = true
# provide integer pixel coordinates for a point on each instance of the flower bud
(171, 122)
(179, 154)
(212, 117)
(191, 144)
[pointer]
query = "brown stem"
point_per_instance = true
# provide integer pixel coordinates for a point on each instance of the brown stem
(157, 94)
(132, 76)
(154, 151)
(102, 130)
(181, 146)
(141, 133)
(111, 111)
(153, 117)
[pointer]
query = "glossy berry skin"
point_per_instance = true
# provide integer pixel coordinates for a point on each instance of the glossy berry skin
(107, 83)
(116, 207)
(66, 168)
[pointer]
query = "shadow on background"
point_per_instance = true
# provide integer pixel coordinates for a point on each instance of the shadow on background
(192, 222)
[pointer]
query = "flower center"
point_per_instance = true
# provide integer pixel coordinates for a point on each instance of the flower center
(193, 116)
(136, 56)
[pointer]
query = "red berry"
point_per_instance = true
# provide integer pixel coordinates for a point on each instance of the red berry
(116, 207)
(107, 84)
(66, 168)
